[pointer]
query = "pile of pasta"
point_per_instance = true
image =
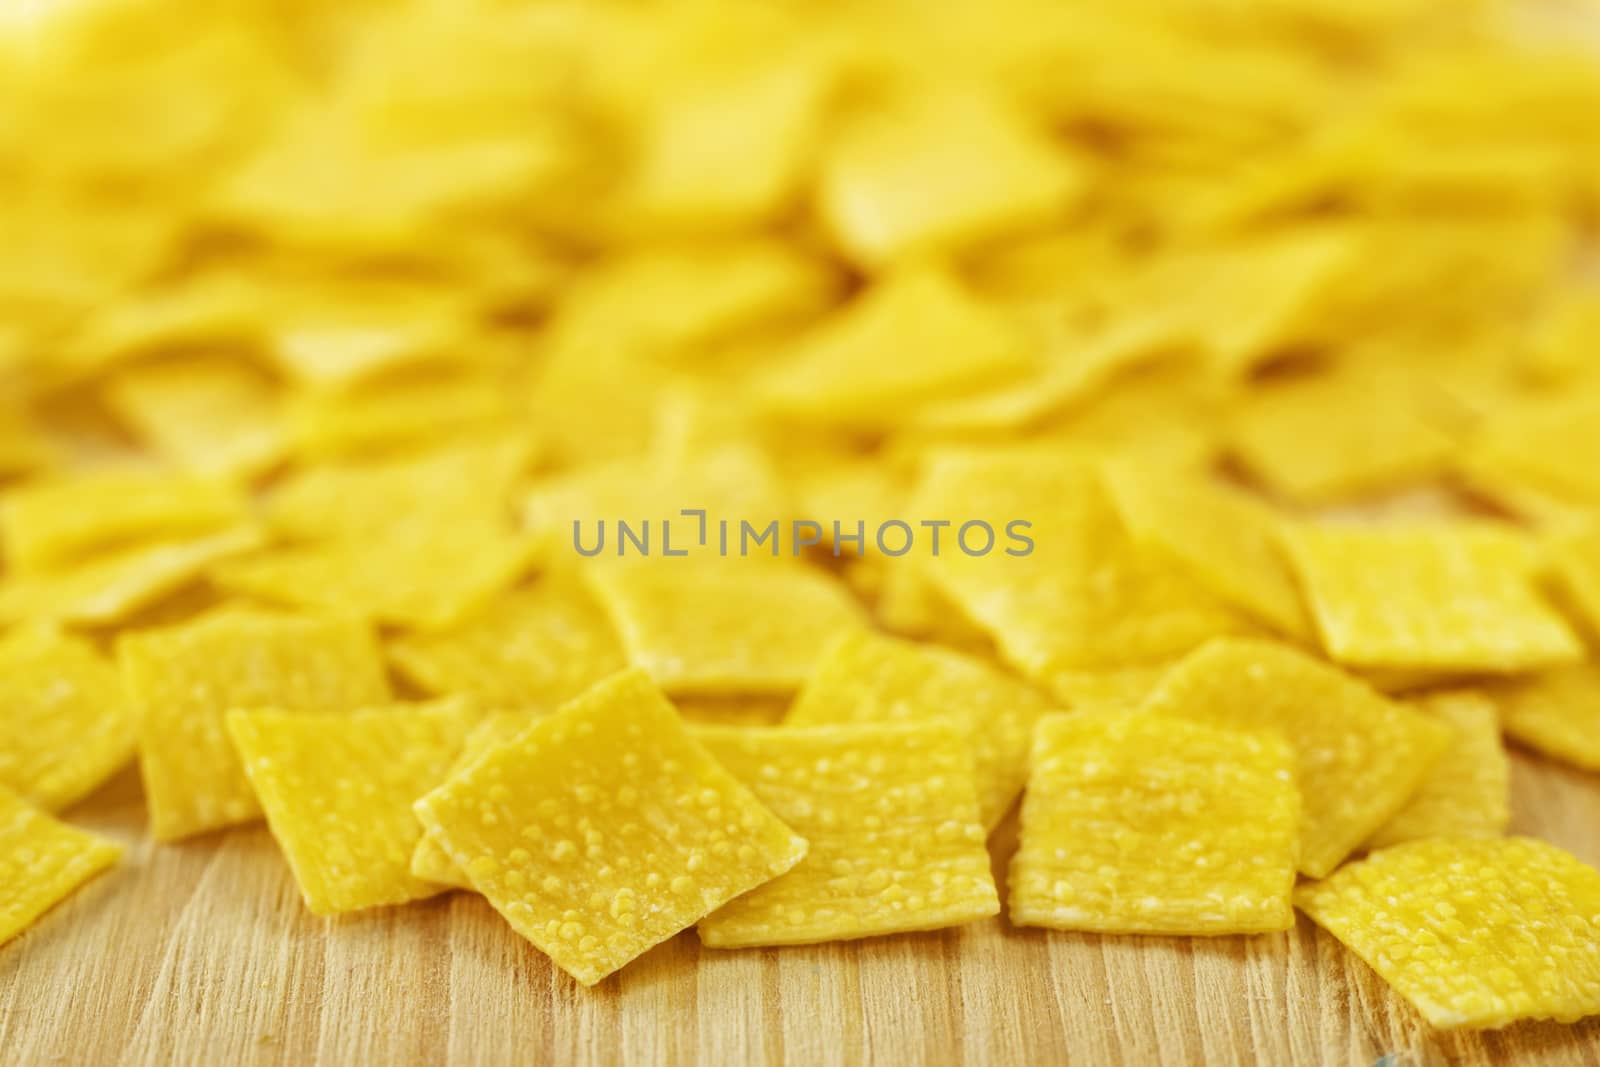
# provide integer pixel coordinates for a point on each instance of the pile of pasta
(506, 447)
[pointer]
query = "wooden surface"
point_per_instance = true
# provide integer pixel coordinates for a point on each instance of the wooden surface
(202, 953)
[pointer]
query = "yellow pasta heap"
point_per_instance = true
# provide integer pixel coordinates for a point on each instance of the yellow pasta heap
(697, 465)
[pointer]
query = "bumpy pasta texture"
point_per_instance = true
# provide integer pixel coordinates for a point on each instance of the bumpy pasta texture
(579, 452)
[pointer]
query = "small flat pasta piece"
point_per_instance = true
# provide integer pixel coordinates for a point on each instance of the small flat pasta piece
(208, 417)
(430, 862)
(1359, 758)
(753, 627)
(1115, 690)
(337, 791)
(24, 448)
(695, 415)
(1545, 454)
(979, 171)
(470, 478)
(204, 310)
(892, 819)
(1475, 933)
(52, 523)
(605, 829)
(42, 862)
(731, 483)
(534, 647)
(357, 336)
(1564, 338)
(1076, 362)
(1086, 597)
(912, 338)
(183, 680)
(1574, 565)
(870, 678)
(766, 709)
(1144, 825)
(63, 718)
(910, 604)
(1496, 479)
(400, 413)
(1428, 597)
(1226, 540)
(113, 587)
(1328, 440)
(1246, 300)
(594, 399)
(1467, 791)
(1556, 712)
(849, 487)
(1164, 413)
(677, 304)
(690, 176)
(426, 574)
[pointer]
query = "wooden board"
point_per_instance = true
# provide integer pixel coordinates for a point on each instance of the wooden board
(202, 953)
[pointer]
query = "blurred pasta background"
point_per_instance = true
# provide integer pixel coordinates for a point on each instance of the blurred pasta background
(1338, 249)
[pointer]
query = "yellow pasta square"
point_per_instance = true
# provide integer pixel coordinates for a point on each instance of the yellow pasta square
(907, 602)
(1114, 690)
(1496, 479)
(735, 709)
(1331, 439)
(1467, 791)
(605, 829)
(337, 791)
(736, 628)
(1064, 588)
(690, 176)
(536, 647)
(692, 416)
(24, 448)
(1474, 933)
(337, 340)
(397, 413)
(1444, 597)
(580, 513)
(63, 716)
(53, 523)
(1134, 824)
(204, 310)
(678, 304)
(183, 680)
(1077, 360)
(208, 417)
(869, 678)
(846, 485)
(892, 820)
(1248, 299)
(423, 573)
(1556, 712)
(1164, 413)
(468, 478)
(912, 338)
(978, 169)
(1227, 541)
(1574, 564)
(1564, 338)
(430, 862)
(1545, 453)
(594, 399)
(1358, 756)
(42, 862)
(112, 587)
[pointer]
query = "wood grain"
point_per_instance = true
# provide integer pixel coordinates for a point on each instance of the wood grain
(202, 954)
